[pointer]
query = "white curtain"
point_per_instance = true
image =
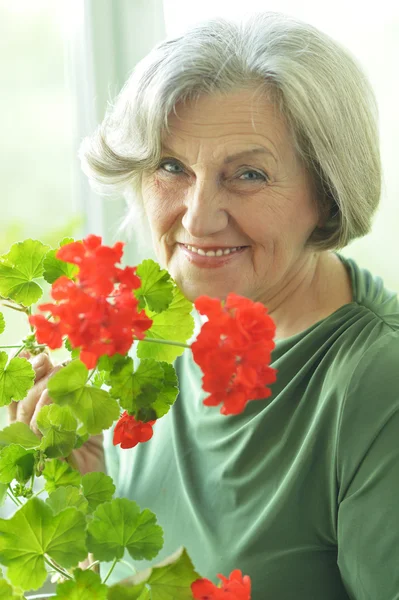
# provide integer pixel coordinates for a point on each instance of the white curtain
(116, 34)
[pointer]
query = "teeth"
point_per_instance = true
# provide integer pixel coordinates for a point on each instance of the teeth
(218, 252)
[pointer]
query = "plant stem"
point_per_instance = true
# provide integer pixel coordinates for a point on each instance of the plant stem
(91, 375)
(38, 493)
(13, 307)
(168, 342)
(19, 351)
(40, 347)
(116, 560)
(10, 346)
(59, 569)
(124, 562)
(13, 499)
(32, 480)
(17, 500)
(93, 564)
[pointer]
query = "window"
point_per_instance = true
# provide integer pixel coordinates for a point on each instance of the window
(39, 166)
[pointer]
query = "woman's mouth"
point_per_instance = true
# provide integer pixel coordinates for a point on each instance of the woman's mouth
(211, 257)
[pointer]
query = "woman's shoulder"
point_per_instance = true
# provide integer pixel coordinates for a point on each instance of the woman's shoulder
(371, 400)
(372, 295)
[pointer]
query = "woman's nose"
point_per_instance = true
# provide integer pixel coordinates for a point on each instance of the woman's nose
(204, 213)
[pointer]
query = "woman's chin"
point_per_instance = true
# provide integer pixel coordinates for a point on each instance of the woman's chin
(194, 292)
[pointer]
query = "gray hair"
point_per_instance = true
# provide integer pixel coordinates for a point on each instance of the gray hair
(316, 84)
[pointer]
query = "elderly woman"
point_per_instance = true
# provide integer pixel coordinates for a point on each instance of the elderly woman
(252, 150)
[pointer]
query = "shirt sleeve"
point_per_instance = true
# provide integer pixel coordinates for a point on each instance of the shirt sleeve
(368, 476)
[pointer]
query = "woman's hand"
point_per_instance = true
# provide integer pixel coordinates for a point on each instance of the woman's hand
(90, 456)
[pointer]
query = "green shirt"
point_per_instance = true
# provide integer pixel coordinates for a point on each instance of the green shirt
(301, 491)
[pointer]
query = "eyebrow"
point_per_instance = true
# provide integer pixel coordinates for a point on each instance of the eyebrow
(232, 157)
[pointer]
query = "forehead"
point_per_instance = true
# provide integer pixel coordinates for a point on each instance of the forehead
(243, 111)
(241, 118)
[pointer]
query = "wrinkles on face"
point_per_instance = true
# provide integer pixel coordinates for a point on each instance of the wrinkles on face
(263, 202)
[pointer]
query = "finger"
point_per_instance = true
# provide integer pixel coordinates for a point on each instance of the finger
(12, 412)
(26, 407)
(44, 400)
(42, 365)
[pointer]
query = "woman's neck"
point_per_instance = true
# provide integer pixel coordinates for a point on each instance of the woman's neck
(320, 289)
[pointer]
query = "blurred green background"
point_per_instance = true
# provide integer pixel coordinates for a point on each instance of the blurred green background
(39, 154)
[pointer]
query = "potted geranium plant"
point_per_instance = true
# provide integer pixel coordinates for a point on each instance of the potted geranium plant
(99, 311)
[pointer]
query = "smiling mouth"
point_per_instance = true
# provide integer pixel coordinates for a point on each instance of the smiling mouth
(213, 252)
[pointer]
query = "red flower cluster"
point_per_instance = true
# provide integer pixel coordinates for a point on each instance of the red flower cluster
(233, 350)
(98, 311)
(236, 587)
(128, 432)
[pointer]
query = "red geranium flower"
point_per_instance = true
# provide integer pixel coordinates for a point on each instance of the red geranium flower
(128, 432)
(97, 270)
(98, 312)
(236, 587)
(47, 332)
(233, 350)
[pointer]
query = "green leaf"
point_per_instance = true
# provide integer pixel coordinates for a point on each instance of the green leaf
(19, 433)
(105, 366)
(56, 416)
(119, 525)
(93, 406)
(57, 473)
(3, 494)
(17, 463)
(149, 392)
(55, 268)
(35, 530)
(136, 388)
(99, 379)
(2, 323)
(67, 496)
(58, 427)
(168, 392)
(7, 592)
(75, 352)
(81, 439)
(136, 592)
(156, 289)
(57, 444)
(86, 586)
(172, 579)
(16, 378)
(107, 363)
(18, 269)
(175, 324)
(97, 489)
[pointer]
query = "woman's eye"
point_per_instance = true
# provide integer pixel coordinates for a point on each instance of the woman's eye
(169, 162)
(259, 176)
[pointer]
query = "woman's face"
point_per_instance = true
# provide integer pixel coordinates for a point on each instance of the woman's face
(203, 199)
